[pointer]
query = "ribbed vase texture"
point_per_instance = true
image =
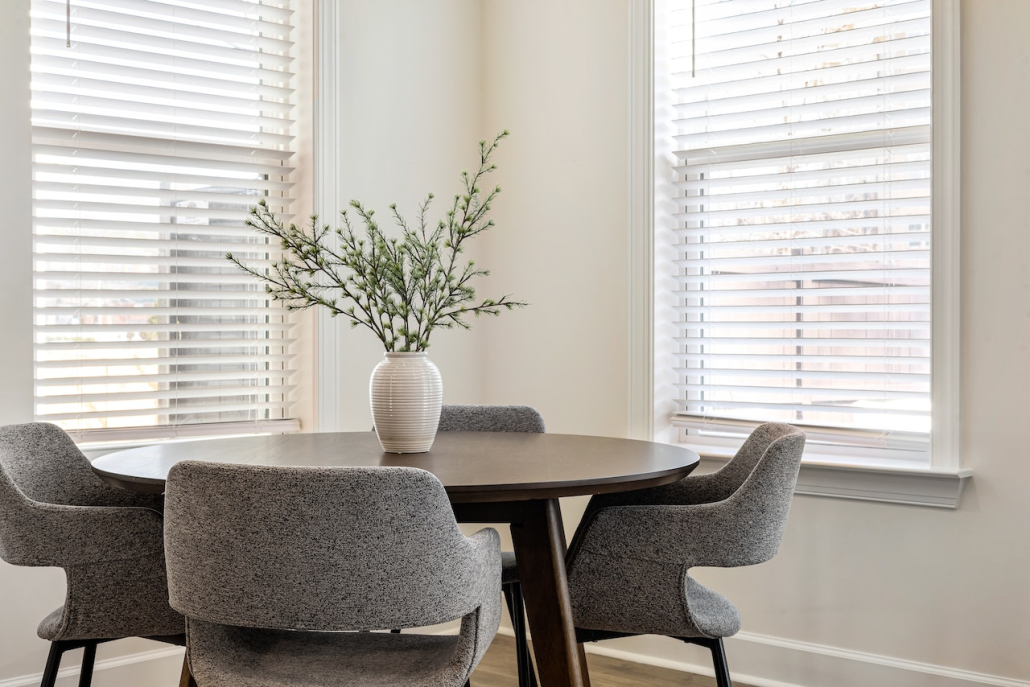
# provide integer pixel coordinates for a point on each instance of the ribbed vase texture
(406, 394)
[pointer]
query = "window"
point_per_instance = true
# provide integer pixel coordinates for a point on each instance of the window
(156, 124)
(800, 242)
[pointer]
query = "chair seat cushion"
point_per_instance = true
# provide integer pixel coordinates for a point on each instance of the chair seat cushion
(509, 568)
(225, 655)
(100, 617)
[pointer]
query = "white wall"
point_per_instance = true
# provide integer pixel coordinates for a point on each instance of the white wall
(881, 582)
(410, 76)
(556, 74)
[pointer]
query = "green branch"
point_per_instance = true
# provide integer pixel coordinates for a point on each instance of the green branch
(402, 289)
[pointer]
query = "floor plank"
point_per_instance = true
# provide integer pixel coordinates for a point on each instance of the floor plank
(498, 670)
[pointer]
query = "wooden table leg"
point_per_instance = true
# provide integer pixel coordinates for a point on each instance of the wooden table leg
(187, 677)
(540, 548)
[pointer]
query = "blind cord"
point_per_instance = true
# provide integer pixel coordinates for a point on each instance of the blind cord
(693, 38)
(68, 23)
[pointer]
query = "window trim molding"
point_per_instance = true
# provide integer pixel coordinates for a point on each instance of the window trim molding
(936, 488)
(939, 485)
(327, 160)
(641, 421)
(946, 209)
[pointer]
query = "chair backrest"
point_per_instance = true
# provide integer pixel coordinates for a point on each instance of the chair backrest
(736, 471)
(758, 509)
(45, 465)
(472, 418)
(328, 549)
(41, 465)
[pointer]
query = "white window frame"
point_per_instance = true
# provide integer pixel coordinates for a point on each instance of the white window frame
(651, 406)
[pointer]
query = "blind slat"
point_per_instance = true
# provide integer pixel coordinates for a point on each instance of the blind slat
(832, 56)
(159, 164)
(756, 343)
(880, 225)
(152, 395)
(136, 26)
(195, 183)
(54, 46)
(110, 143)
(226, 340)
(214, 54)
(226, 292)
(729, 359)
(106, 363)
(209, 194)
(238, 19)
(113, 416)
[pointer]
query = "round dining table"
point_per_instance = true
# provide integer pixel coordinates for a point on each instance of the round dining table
(490, 477)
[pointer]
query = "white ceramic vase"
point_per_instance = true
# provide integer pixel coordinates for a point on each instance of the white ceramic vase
(406, 394)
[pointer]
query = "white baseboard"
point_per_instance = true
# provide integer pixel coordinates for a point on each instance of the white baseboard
(158, 668)
(755, 659)
(765, 661)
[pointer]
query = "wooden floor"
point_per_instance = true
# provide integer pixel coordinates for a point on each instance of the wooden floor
(498, 670)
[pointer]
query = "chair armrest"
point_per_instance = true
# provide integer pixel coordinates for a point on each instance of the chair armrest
(708, 488)
(723, 534)
(100, 493)
(77, 535)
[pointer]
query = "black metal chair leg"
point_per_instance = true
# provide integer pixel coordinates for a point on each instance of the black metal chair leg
(516, 606)
(53, 664)
(722, 671)
(89, 657)
(525, 650)
(510, 591)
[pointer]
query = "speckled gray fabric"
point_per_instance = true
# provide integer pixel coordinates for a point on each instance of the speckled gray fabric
(457, 418)
(55, 512)
(714, 486)
(225, 655)
(254, 551)
(630, 557)
(524, 419)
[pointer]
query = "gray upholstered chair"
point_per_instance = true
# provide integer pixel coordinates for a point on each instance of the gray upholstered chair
(629, 561)
(475, 418)
(281, 573)
(55, 512)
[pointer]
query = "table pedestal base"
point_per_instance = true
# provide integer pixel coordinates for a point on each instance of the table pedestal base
(540, 549)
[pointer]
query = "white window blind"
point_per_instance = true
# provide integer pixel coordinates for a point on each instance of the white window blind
(802, 130)
(152, 134)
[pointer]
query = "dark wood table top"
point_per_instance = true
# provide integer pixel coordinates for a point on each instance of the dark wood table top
(473, 466)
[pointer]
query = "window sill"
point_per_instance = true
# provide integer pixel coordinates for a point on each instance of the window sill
(936, 488)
